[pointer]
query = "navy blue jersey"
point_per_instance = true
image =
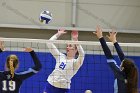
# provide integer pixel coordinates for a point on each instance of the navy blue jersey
(12, 85)
(120, 77)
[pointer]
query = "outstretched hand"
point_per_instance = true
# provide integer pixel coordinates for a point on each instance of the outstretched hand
(61, 31)
(112, 36)
(74, 35)
(2, 45)
(98, 32)
(28, 49)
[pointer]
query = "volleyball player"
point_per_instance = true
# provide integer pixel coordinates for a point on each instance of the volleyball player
(127, 75)
(10, 81)
(59, 81)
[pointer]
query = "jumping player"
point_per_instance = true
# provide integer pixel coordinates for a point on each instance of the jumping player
(59, 80)
(127, 75)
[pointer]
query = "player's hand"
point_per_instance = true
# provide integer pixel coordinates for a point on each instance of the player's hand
(112, 36)
(61, 31)
(2, 45)
(74, 35)
(28, 49)
(98, 32)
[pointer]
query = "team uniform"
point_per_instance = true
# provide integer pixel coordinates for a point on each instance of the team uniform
(120, 77)
(12, 85)
(60, 79)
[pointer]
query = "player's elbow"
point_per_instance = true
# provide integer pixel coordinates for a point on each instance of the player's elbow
(38, 67)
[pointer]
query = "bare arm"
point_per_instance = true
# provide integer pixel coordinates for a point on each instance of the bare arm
(80, 59)
(52, 48)
(2, 45)
(81, 56)
(2, 48)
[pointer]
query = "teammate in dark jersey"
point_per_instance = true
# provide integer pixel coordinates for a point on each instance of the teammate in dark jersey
(10, 81)
(126, 76)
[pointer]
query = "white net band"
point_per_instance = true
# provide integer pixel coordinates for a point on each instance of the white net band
(90, 47)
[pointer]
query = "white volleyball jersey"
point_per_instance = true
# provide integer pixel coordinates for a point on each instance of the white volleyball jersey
(65, 68)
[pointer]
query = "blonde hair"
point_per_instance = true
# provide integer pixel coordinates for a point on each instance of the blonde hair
(12, 65)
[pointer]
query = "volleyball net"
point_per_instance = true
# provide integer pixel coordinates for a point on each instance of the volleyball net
(94, 75)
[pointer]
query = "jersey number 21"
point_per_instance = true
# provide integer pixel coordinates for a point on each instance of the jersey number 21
(62, 65)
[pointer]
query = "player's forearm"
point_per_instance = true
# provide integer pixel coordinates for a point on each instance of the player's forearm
(105, 48)
(37, 63)
(52, 48)
(80, 50)
(81, 54)
(119, 51)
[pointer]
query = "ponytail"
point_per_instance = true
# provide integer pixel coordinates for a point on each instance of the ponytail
(11, 65)
(12, 69)
(131, 72)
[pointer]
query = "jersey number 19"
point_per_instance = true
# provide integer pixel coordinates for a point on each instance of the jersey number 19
(11, 85)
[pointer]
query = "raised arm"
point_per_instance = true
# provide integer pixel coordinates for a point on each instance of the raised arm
(36, 61)
(112, 38)
(80, 50)
(2, 48)
(110, 59)
(103, 43)
(31, 71)
(52, 48)
(81, 56)
(1, 52)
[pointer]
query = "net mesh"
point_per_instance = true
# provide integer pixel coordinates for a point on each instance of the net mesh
(94, 75)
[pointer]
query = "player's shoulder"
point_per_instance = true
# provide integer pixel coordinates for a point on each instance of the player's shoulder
(62, 56)
(5, 75)
(1, 71)
(5, 72)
